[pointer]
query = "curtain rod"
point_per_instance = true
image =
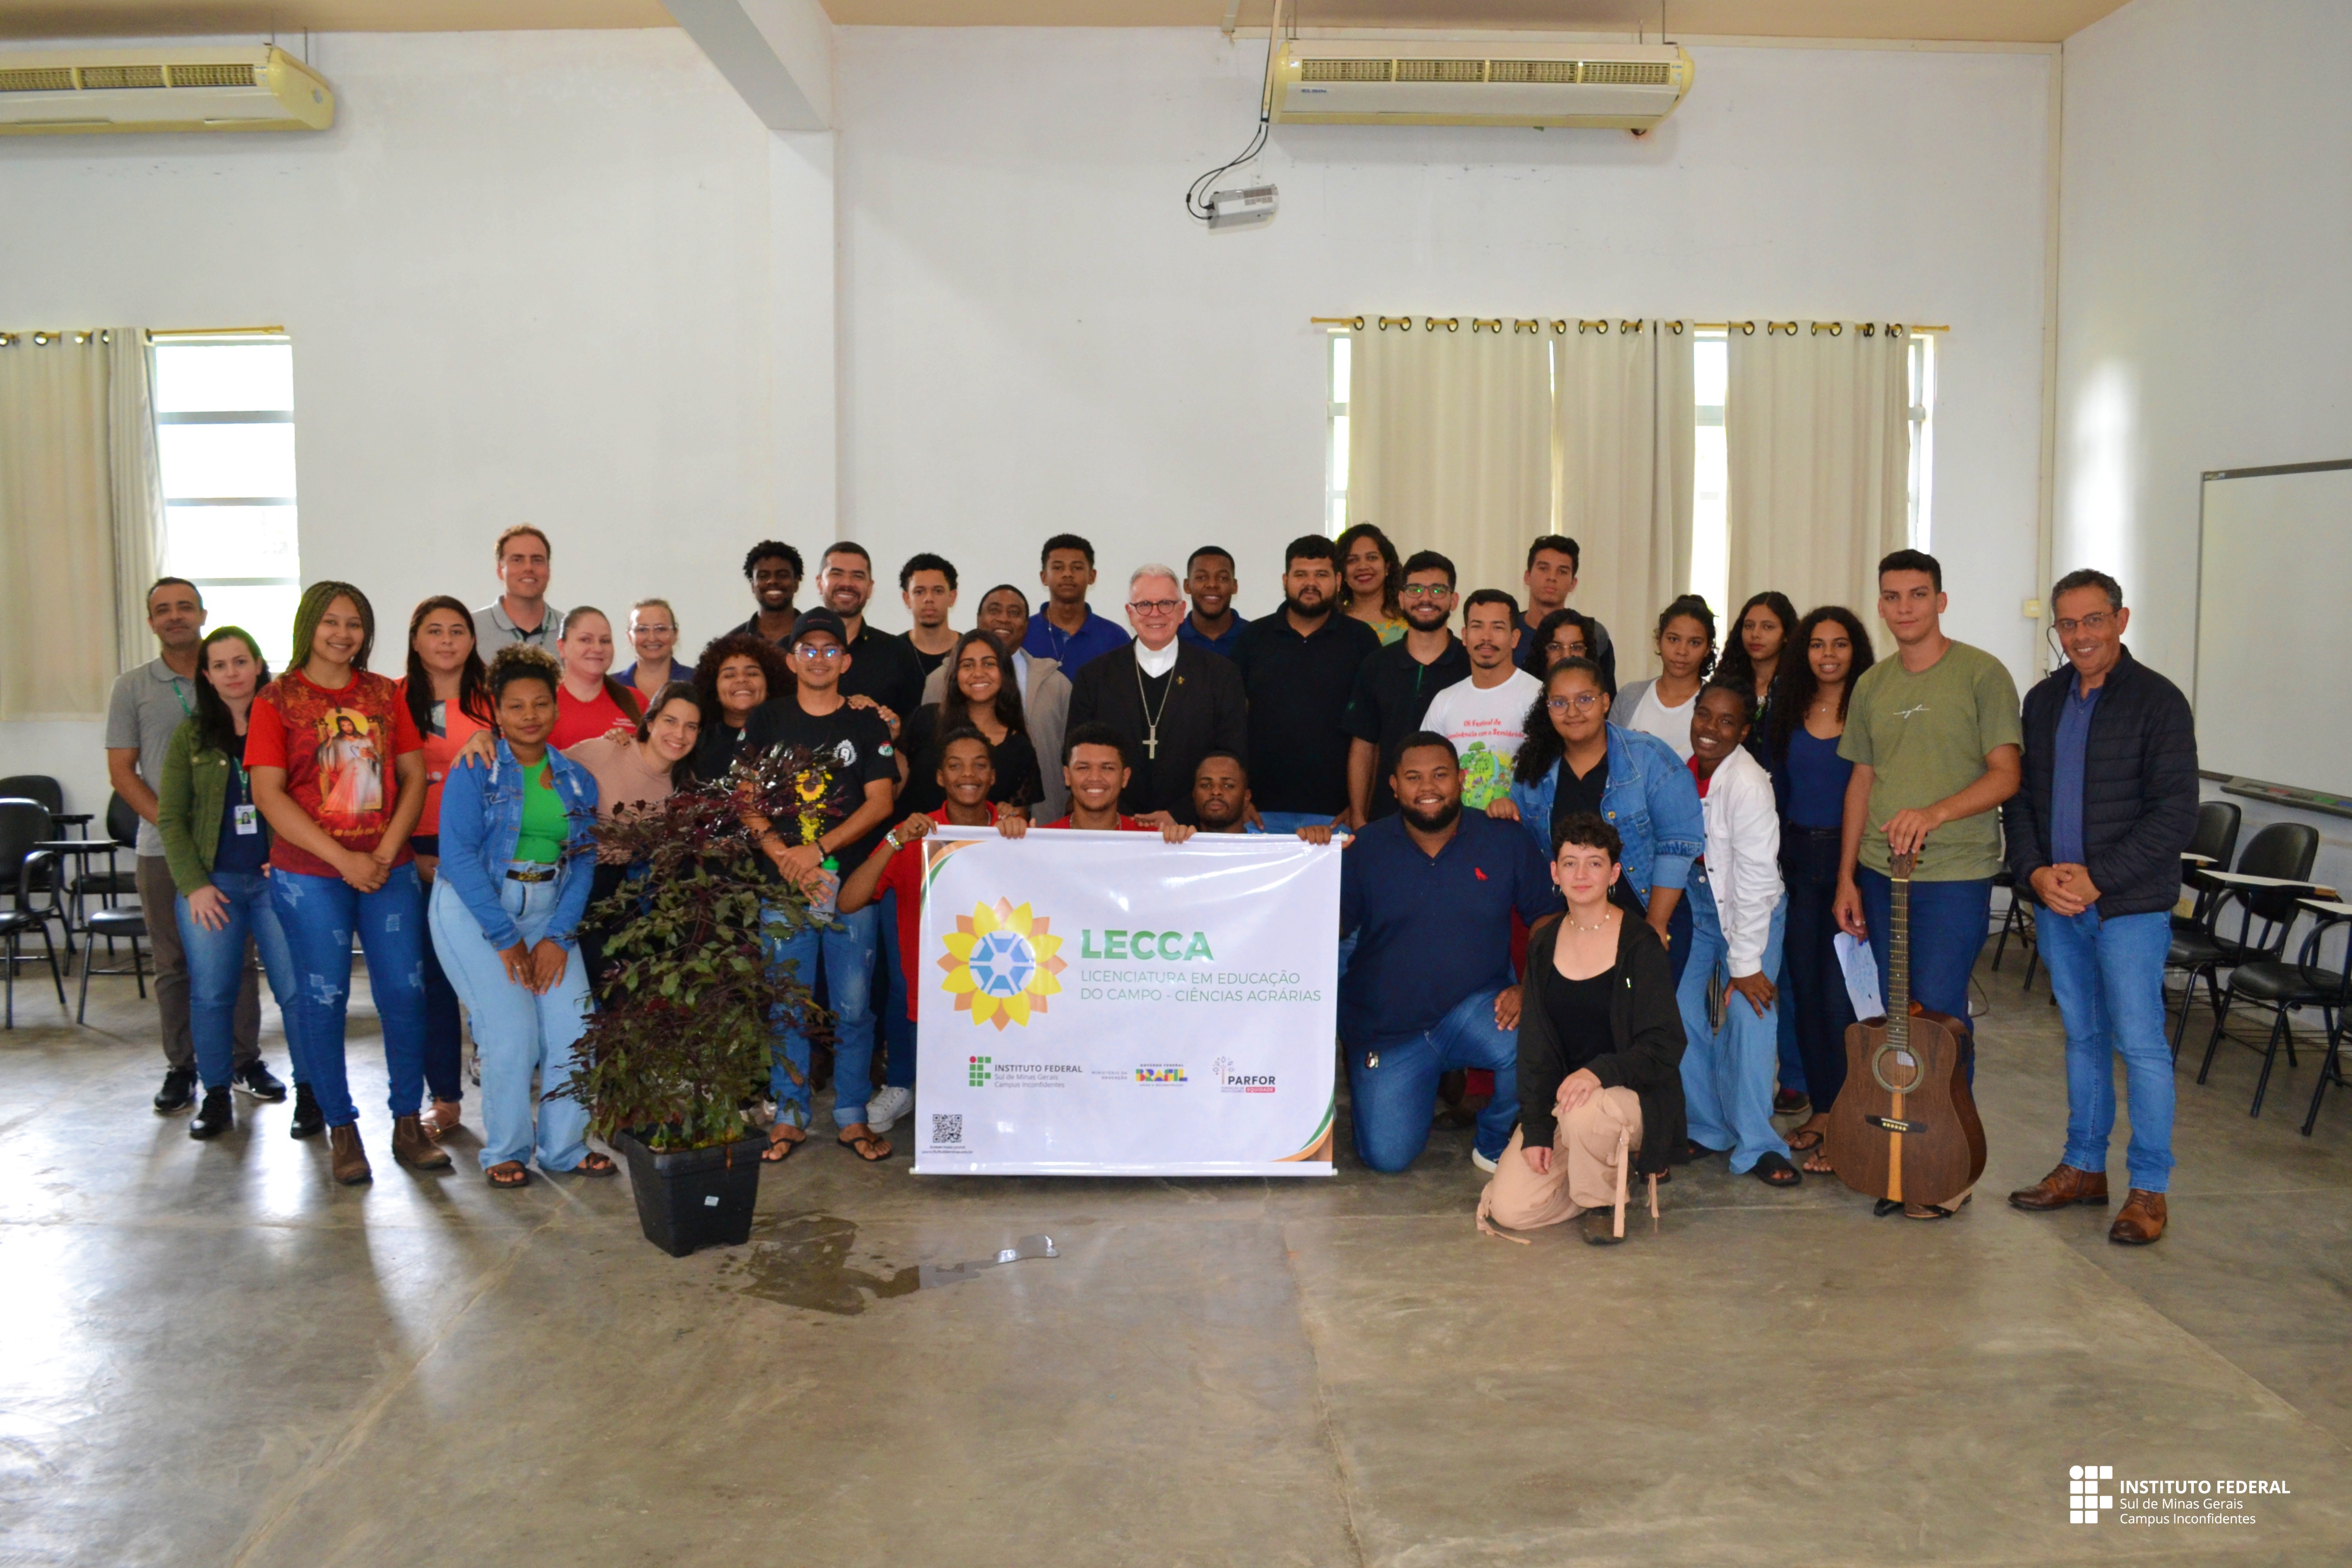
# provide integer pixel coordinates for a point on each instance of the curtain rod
(1489, 322)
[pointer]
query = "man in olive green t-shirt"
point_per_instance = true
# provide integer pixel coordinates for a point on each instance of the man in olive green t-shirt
(1934, 737)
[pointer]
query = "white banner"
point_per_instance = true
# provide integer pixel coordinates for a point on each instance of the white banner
(1105, 1004)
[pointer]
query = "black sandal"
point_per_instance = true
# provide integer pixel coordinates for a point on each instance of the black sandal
(780, 1149)
(864, 1143)
(508, 1174)
(1936, 1211)
(1773, 1169)
(591, 1163)
(1695, 1149)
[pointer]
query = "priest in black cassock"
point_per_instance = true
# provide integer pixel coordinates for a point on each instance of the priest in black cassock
(1172, 700)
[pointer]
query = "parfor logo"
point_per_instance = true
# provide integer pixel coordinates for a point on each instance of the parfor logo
(1002, 963)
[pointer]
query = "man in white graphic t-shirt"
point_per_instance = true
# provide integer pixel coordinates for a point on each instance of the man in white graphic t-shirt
(1485, 716)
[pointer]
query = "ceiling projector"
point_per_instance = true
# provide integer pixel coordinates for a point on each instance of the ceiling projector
(1242, 206)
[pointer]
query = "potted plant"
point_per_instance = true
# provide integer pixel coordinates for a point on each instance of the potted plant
(682, 1040)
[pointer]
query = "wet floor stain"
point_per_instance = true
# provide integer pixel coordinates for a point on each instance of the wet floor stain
(802, 1260)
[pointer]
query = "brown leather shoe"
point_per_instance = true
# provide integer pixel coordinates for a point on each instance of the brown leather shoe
(350, 1159)
(2060, 1188)
(413, 1148)
(2141, 1222)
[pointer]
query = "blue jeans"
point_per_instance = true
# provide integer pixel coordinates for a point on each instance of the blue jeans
(1727, 1072)
(2108, 977)
(1818, 1001)
(898, 1030)
(516, 1032)
(319, 915)
(1393, 1083)
(216, 969)
(846, 949)
(445, 1030)
(1948, 932)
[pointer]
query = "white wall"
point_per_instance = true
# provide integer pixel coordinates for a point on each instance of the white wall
(2203, 319)
(1038, 339)
(569, 277)
(562, 277)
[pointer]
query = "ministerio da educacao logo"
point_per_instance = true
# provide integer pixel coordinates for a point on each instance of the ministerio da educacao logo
(1002, 964)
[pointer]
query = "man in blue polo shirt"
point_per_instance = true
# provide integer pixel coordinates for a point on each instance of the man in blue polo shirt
(1067, 630)
(1429, 894)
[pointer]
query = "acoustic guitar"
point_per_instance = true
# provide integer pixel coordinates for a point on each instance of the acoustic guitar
(1904, 1128)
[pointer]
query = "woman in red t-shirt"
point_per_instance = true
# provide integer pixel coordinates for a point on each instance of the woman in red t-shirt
(590, 702)
(446, 692)
(338, 770)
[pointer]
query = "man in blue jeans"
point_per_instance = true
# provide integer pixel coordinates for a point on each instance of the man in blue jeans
(2109, 802)
(1933, 736)
(1429, 894)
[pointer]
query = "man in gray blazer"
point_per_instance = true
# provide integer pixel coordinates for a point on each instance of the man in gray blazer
(1044, 691)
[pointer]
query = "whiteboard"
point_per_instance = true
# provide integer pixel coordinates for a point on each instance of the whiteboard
(2274, 635)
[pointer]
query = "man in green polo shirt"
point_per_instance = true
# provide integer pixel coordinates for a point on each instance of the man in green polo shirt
(1934, 737)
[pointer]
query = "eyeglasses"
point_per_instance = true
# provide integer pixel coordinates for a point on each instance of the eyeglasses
(813, 651)
(1565, 649)
(1155, 606)
(2096, 625)
(1425, 591)
(643, 626)
(1581, 702)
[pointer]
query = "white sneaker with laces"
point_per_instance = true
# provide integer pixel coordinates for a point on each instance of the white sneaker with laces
(885, 1105)
(1483, 1163)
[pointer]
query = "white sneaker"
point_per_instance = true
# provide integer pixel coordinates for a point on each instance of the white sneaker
(885, 1106)
(1483, 1163)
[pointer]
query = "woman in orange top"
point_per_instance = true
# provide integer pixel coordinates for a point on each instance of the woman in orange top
(448, 695)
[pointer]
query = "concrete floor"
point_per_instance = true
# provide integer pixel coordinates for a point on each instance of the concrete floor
(214, 1356)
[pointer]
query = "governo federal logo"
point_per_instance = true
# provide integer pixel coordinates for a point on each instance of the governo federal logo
(1002, 963)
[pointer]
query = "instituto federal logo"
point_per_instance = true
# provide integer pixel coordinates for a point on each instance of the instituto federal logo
(1002, 963)
(2084, 1498)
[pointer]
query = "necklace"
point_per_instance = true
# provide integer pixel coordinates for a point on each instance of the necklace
(1152, 719)
(1599, 924)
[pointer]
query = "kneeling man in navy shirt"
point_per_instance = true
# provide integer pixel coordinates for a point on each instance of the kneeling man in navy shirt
(1429, 894)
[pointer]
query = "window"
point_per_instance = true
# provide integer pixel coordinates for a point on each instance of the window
(1335, 443)
(1923, 438)
(1710, 574)
(224, 442)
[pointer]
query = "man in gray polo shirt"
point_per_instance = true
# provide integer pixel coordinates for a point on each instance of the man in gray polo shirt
(520, 614)
(149, 703)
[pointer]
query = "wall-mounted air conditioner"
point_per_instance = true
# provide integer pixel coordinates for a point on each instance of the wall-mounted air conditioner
(258, 88)
(1386, 81)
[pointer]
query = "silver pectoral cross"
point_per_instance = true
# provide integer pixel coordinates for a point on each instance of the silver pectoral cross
(1151, 743)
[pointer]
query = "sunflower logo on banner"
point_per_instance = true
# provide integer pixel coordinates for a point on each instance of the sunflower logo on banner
(1000, 963)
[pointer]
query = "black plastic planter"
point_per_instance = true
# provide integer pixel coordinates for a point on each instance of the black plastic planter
(695, 1197)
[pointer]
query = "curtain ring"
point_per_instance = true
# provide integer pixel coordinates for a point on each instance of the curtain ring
(1746, 329)
(1356, 323)
(1628, 326)
(1674, 327)
(40, 340)
(1519, 326)
(1559, 328)
(1453, 324)
(1494, 325)
(1869, 329)
(1835, 329)
(1388, 321)
(1894, 328)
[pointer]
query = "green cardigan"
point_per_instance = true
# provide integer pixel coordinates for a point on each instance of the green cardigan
(189, 803)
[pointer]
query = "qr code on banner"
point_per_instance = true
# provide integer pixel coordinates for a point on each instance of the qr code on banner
(947, 1129)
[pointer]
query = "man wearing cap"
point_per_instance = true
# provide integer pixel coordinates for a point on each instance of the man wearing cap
(851, 746)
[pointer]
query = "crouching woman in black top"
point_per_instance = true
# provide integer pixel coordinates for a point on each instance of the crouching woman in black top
(1601, 1048)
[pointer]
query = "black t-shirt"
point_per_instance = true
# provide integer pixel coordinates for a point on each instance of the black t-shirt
(1298, 689)
(886, 668)
(1575, 793)
(1393, 693)
(853, 745)
(1017, 779)
(1579, 1011)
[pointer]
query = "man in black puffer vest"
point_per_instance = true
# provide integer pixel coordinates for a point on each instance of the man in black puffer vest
(2108, 804)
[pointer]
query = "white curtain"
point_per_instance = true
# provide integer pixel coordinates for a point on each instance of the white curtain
(1623, 432)
(58, 650)
(138, 491)
(1817, 430)
(1449, 440)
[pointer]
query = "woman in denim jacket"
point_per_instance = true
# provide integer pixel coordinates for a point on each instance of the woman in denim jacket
(1644, 791)
(517, 852)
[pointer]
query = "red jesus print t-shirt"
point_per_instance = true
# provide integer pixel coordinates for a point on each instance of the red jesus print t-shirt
(338, 749)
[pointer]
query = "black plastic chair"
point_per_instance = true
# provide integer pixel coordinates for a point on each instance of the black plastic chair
(2217, 840)
(2285, 850)
(107, 887)
(2018, 922)
(35, 787)
(26, 871)
(2287, 988)
(110, 924)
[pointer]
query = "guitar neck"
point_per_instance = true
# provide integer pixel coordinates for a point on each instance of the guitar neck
(1898, 958)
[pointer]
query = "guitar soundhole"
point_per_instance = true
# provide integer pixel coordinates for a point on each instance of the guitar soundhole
(1897, 1071)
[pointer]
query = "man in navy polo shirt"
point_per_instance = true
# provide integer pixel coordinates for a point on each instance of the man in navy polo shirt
(1429, 894)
